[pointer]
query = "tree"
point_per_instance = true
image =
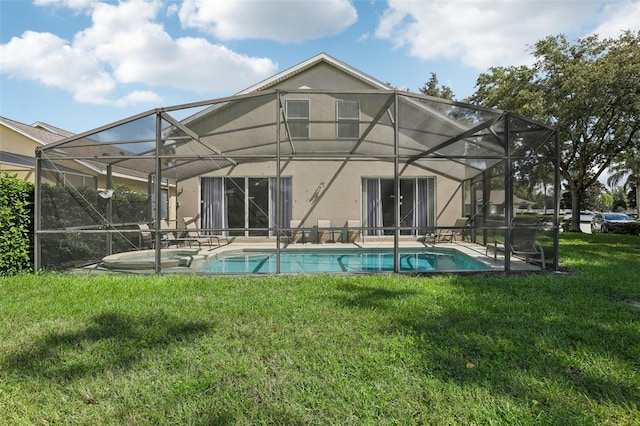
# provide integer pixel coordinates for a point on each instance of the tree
(589, 90)
(432, 88)
(605, 201)
(629, 166)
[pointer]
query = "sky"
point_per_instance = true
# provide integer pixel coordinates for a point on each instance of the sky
(81, 64)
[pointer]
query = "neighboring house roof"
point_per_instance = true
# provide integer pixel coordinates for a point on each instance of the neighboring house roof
(44, 134)
(17, 159)
(53, 129)
(38, 134)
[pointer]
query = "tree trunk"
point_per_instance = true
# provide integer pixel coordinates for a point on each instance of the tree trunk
(575, 211)
(637, 196)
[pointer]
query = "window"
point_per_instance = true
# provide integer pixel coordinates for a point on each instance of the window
(348, 117)
(298, 118)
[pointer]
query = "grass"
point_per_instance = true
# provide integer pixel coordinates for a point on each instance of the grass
(540, 349)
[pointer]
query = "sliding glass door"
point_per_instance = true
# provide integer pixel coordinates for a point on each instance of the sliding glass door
(246, 207)
(236, 203)
(417, 205)
(258, 206)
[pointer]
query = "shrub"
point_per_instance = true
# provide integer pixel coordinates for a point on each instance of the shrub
(632, 228)
(16, 218)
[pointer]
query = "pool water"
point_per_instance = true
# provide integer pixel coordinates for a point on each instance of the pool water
(332, 261)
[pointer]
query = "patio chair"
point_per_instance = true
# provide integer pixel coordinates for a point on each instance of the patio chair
(324, 231)
(523, 245)
(194, 234)
(146, 237)
(296, 233)
(459, 228)
(168, 237)
(353, 233)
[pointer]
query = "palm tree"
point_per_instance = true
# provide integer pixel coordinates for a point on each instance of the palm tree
(629, 167)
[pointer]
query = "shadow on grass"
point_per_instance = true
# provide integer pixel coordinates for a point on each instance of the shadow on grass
(109, 341)
(370, 297)
(537, 344)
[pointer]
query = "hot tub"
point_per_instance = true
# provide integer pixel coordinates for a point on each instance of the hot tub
(146, 259)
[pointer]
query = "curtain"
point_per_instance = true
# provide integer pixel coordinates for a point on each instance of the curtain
(425, 204)
(431, 202)
(214, 211)
(286, 202)
(374, 206)
(420, 210)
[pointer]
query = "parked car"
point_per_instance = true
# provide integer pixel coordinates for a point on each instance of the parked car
(607, 222)
(585, 215)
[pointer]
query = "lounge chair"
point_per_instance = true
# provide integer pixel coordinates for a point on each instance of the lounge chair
(193, 234)
(168, 237)
(458, 230)
(523, 245)
(147, 239)
(323, 231)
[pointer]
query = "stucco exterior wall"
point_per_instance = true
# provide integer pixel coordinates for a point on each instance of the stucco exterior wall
(329, 189)
(16, 143)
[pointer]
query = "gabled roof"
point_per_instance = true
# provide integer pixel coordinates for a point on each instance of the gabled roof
(293, 71)
(309, 63)
(52, 129)
(36, 132)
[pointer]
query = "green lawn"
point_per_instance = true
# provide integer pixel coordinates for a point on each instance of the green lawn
(557, 349)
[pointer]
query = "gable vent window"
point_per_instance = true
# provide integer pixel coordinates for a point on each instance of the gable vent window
(348, 117)
(298, 118)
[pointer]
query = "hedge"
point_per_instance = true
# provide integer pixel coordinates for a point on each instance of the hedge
(16, 231)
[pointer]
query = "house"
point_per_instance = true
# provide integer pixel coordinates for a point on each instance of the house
(320, 141)
(320, 125)
(19, 143)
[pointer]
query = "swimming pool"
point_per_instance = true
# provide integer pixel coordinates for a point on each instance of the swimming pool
(335, 261)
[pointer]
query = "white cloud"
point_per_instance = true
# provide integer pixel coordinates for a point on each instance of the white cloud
(619, 17)
(487, 33)
(280, 20)
(140, 50)
(123, 50)
(137, 97)
(52, 61)
(70, 4)
(364, 37)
